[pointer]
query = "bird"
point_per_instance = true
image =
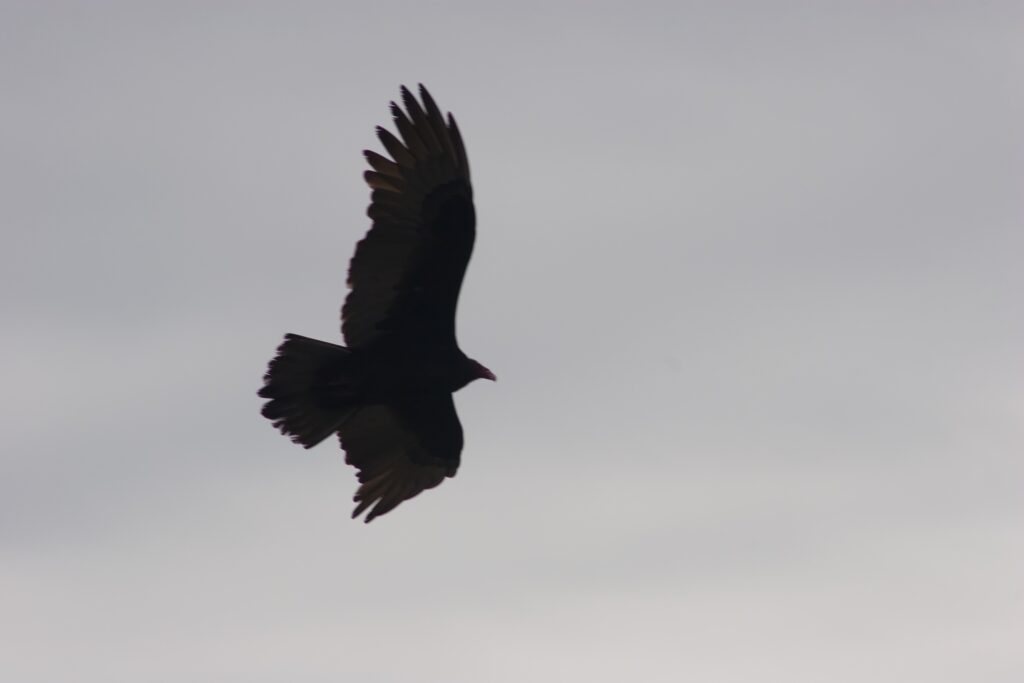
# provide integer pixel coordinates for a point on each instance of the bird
(387, 392)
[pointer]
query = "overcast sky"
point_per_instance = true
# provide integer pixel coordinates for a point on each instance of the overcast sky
(749, 274)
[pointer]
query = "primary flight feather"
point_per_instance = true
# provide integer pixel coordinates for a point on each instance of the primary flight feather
(388, 392)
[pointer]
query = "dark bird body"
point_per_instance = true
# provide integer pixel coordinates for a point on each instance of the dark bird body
(388, 392)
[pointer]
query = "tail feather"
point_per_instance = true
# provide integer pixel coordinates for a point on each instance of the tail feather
(310, 389)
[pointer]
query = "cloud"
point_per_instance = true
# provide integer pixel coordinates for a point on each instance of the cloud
(748, 277)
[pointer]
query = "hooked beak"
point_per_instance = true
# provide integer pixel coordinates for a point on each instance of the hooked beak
(480, 372)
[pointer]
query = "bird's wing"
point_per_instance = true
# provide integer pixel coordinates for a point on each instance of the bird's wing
(401, 450)
(407, 270)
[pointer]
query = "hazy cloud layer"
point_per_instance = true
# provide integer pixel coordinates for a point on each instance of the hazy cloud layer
(749, 275)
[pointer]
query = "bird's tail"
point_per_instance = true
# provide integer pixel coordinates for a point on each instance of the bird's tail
(310, 387)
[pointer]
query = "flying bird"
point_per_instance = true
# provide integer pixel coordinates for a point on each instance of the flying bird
(387, 393)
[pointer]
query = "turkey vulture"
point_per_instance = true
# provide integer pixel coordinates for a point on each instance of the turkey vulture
(388, 392)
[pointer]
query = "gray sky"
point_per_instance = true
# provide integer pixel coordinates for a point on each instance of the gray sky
(749, 275)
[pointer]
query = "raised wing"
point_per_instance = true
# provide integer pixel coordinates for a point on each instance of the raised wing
(406, 273)
(401, 450)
